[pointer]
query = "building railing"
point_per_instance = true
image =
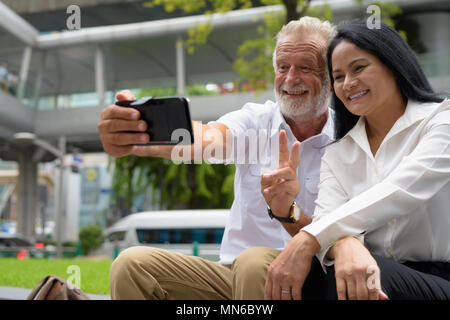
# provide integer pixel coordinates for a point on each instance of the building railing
(31, 252)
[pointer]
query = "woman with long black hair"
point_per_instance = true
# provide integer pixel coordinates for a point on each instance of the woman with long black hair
(382, 216)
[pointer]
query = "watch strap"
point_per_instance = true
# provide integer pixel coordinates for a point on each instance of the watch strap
(281, 219)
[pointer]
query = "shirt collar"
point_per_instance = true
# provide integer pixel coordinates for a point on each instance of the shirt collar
(415, 111)
(328, 128)
(279, 123)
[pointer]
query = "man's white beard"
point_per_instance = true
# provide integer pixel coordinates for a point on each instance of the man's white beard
(301, 110)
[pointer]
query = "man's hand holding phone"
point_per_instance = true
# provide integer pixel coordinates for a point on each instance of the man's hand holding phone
(121, 131)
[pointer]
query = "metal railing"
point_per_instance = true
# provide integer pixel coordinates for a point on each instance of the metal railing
(32, 252)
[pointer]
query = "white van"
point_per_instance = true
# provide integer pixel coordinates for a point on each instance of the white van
(192, 232)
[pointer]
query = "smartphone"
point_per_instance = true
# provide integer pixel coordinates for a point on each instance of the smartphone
(168, 119)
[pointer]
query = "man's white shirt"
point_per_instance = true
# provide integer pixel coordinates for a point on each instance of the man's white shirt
(399, 198)
(255, 130)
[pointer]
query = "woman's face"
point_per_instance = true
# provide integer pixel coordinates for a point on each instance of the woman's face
(363, 84)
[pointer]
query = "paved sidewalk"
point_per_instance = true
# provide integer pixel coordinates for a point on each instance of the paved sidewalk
(10, 293)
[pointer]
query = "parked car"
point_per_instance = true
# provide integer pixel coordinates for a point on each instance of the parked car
(14, 240)
(11, 244)
(195, 232)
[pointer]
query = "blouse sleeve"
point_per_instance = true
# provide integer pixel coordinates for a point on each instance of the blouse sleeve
(418, 177)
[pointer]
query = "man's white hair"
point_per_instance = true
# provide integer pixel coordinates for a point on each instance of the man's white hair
(305, 26)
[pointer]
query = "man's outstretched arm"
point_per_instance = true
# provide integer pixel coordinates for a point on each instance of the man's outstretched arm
(117, 124)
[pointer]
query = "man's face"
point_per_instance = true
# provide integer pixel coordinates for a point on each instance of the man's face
(300, 85)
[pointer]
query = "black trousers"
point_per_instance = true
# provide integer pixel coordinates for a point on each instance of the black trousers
(407, 281)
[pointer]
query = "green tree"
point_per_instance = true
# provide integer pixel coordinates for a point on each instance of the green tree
(173, 186)
(254, 56)
(91, 238)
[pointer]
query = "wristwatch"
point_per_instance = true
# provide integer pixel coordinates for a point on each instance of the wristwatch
(294, 214)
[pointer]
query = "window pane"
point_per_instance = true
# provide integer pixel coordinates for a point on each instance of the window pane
(119, 235)
(201, 235)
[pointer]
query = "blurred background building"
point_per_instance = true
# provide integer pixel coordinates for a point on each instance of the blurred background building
(55, 82)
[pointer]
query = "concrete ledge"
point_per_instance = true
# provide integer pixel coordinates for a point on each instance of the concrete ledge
(10, 293)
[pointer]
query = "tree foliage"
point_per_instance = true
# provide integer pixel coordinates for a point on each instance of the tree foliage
(91, 238)
(254, 61)
(173, 186)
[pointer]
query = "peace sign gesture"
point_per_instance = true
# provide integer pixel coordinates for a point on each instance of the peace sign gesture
(280, 186)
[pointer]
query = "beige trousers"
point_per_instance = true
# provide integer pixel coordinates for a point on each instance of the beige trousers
(151, 273)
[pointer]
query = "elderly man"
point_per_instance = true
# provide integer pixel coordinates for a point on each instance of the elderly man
(301, 113)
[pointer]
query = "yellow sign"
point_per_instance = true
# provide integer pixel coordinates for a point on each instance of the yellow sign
(91, 174)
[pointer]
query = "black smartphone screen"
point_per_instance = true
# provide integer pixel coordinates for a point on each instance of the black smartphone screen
(168, 119)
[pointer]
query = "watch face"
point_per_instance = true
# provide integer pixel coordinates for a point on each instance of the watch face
(296, 212)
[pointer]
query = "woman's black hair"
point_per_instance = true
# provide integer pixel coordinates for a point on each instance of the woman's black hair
(393, 51)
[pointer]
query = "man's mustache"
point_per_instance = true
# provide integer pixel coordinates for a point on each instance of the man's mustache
(300, 87)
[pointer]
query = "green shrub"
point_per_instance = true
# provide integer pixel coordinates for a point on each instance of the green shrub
(91, 238)
(69, 244)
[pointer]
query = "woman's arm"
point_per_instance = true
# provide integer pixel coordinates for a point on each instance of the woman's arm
(418, 178)
(357, 273)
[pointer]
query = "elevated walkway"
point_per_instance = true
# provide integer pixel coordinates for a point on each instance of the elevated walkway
(79, 125)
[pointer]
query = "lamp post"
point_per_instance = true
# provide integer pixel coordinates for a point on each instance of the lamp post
(27, 137)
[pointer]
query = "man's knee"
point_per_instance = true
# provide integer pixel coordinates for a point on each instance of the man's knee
(249, 271)
(253, 259)
(128, 262)
(131, 275)
(251, 264)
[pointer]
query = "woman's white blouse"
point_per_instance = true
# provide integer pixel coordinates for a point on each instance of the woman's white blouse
(398, 199)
